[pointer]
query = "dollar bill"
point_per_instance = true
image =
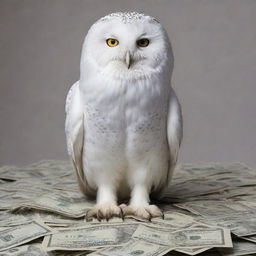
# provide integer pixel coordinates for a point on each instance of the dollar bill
(35, 249)
(134, 247)
(240, 248)
(8, 219)
(215, 208)
(23, 233)
(186, 238)
(243, 226)
(67, 185)
(193, 188)
(231, 181)
(41, 169)
(27, 250)
(240, 225)
(89, 237)
(175, 220)
(23, 173)
(211, 169)
(66, 206)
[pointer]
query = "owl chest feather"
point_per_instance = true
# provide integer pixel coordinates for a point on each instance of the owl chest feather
(125, 129)
(125, 117)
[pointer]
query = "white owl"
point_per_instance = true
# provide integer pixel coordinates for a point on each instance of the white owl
(123, 119)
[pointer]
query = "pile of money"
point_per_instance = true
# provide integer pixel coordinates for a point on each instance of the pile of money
(209, 209)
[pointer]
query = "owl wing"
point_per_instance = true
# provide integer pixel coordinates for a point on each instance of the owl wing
(174, 131)
(74, 128)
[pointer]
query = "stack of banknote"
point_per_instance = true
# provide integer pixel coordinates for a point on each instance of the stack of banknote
(210, 209)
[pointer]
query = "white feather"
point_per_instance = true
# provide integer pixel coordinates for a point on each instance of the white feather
(174, 131)
(74, 127)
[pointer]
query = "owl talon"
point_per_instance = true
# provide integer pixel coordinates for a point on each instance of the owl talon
(146, 213)
(108, 216)
(104, 211)
(98, 216)
(150, 216)
(121, 214)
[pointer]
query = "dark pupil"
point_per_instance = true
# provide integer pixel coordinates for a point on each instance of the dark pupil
(142, 41)
(112, 41)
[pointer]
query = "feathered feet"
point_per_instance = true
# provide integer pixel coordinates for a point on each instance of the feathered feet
(138, 207)
(146, 212)
(105, 211)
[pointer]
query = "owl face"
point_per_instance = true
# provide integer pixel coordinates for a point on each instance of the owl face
(126, 44)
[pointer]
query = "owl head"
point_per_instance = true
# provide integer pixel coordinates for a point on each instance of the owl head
(126, 45)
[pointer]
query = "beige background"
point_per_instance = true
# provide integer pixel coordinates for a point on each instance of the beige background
(214, 43)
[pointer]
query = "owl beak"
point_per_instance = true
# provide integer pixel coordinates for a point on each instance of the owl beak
(128, 59)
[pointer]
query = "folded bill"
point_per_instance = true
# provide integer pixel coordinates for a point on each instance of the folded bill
(23, 233)
(63, 205)
(186, 238)
(89, 237)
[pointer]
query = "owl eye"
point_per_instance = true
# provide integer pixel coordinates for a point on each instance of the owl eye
(143, 42)
(111, 42)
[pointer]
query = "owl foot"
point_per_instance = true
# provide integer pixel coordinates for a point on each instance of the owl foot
(105, 211)
(145, 212)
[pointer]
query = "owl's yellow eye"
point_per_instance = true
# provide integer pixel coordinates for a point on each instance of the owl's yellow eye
(111, 42)
(143, 42)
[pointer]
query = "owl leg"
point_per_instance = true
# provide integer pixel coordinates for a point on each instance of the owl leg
(139, 205)
(106, 206)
